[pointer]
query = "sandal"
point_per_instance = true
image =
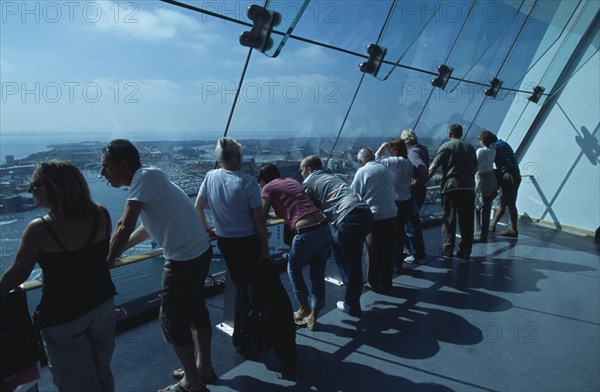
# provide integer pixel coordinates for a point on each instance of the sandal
(212, 379)
(300, 323)
(509, 233)
(178, 387)
(299, 318)
(311, 323)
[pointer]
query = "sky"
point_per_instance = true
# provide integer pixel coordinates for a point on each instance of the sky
(149, 67)
(131, 68)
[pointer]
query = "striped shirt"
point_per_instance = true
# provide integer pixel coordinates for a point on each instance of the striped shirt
(506, 161)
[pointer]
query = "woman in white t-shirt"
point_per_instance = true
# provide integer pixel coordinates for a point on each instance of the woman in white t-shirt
(402, 171)
(233, 197)
(486, 186)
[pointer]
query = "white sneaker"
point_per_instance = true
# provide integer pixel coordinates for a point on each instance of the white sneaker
(411, 259)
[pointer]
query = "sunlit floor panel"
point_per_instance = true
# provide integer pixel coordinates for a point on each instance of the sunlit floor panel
(523, 315)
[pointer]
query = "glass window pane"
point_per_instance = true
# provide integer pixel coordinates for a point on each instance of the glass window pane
(291, 11)
(540, 38)
(564, 53)
(445, 108)
(509, 118)
(484, 41)
(304, 94)
(350, 25)
(403, 29)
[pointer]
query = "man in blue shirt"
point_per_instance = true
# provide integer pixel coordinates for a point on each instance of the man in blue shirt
(509, 179)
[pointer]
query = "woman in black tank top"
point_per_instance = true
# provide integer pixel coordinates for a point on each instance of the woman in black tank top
(70, 243)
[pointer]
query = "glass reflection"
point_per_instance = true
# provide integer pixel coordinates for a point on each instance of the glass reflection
(291, 11)
(404, 26)
(166, 77)
(490, 25)
(545, 28)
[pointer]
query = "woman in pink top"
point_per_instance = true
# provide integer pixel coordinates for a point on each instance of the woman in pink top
(311, 242)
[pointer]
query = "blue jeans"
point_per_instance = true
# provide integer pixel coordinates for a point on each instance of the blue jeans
(348, 239)
(414, 235)
(406, 209)
(313, 249)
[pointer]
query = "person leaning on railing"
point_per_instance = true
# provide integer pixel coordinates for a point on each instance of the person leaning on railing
(311, 242)
(70, 243)
(167, 215)
(233, 197)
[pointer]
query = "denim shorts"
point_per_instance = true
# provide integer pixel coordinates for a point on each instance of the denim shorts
(183, 296)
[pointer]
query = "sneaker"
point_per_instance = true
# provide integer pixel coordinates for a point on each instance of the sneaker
(449, 255)
(509, 233)
(479, 240)
(341, 305)
(411, 259)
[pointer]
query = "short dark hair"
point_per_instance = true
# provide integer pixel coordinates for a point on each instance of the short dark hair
(268, 172)
(123, 150)
(456, 130)
(399, 146)
(312, 161)
(487, 138)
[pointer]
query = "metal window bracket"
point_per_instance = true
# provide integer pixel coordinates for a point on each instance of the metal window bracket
(537, 94)
(263, 20)
(444, 73)
(376, 55)
(495, 85)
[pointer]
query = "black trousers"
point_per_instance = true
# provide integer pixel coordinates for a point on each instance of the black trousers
(380, 253)
(458, 204)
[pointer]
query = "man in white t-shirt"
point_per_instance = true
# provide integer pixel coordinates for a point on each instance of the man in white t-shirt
(373, 184)
(169, 217)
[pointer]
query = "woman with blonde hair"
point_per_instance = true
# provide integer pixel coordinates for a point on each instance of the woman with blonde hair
(70, 243)
(233, 197)
(402, 175)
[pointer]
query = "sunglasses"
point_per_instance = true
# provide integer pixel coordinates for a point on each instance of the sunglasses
(34, 186)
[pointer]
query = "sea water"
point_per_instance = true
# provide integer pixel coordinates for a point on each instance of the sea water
(132, 281)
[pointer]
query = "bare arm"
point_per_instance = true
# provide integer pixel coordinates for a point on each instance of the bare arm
(432, 169)
(266, 206)
(125, 229)
(26, 257)
(139, 235)
(381, 149)
(261, 229)
(201, 204)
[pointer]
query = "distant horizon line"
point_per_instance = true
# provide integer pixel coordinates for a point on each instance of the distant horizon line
(179, 137)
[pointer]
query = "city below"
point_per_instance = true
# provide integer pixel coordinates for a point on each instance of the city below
(185, 162)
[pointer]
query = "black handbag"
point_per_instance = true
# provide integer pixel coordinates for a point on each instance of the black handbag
(19, 344)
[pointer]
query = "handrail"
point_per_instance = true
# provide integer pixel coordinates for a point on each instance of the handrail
(36, 283)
